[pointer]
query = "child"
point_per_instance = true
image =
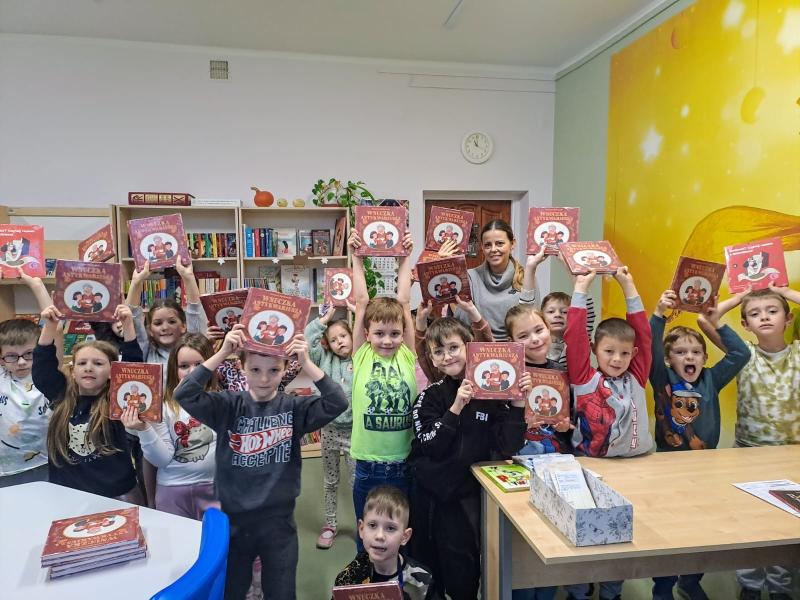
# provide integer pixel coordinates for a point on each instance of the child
(86, 450)
(384, 382)
(180, 447)
(610, 403)
(768, 402)
(451, 432)
(384, 529)
(687, 398)
(330, 345)
(258, 457)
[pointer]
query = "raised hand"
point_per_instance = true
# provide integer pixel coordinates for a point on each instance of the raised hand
(463, 396)
(130, 419)
(667, 301)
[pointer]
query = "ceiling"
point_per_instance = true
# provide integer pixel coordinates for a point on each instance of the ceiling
(547, 34)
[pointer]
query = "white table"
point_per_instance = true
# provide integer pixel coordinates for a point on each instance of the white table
(26, 512)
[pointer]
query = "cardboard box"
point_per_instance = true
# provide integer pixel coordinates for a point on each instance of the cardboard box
(610, 523)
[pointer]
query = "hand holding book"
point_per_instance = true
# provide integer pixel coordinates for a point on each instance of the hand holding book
(463, 396)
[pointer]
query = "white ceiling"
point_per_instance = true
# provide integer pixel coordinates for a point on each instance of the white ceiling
(547, 34)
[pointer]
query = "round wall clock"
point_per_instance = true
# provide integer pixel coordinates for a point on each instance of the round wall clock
(477, 147)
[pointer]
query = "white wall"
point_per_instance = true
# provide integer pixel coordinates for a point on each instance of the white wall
(82, 122)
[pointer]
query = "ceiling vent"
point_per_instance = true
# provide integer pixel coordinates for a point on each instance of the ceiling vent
(218, 69)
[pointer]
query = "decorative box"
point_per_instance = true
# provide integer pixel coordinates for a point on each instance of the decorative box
(159, 198)
(610, 523)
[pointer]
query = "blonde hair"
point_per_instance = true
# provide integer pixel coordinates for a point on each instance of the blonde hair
(390, 501)
(99, 433)
(204, 348)
(384, 310)
(518, 311)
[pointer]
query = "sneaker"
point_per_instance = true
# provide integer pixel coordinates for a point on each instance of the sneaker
(695, 592)
(748, 594)
(325, 539)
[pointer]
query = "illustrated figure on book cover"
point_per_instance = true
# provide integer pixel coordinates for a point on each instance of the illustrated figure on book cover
(98, 525)
(271, 327)
(495, 375)
(695, 291)
(15, 252)
(86, 296)
(756, 267)
(593, 259)
(448, 231)
(340, 286)
(445, 287)
(229, 317)
(95, 251)
(158, 246)
(134, 393)
(381, 236)
(551, 235)
(546, 401)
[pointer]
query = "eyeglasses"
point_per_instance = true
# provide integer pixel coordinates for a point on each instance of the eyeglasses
(452, 350)
(10, 359)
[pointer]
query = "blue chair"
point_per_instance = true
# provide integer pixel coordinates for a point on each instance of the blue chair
(205, 579)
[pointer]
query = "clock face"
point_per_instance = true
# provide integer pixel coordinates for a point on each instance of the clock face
(477, 147)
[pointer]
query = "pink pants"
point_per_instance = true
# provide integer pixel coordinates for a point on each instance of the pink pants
(190, 500)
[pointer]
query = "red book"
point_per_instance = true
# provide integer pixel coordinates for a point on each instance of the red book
(321, 239)
(159, 198)
(224, 309)
(548, 401)
(338, 237)
(88, 534)
(88, 291)
(696, 283)
(381, 229)
(583, 256)
(21, 246)
(757, 264)
(424, 256)
(495, 369)
(338, 286)
(271, 319)
(551, 227)
(448, 224)
(442, 280)
(789, 497)
(98, 247)
(388, 590)
(138, 384)
(161, 240)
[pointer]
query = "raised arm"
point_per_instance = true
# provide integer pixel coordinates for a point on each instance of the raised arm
(404, 290)
(47, 377)
(188, 281)
(579, 352)
(714, 314)
(737, 353)
(643, 359)
(528, 294)
(37, 288)
(360, 292)
(787, 292)
(134, 298)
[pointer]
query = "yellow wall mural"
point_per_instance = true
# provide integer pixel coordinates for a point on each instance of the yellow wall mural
(704, 146)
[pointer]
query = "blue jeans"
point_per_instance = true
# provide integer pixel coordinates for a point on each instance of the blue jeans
(540, 593)
(662, 586)
(608, 590)
(372, 474)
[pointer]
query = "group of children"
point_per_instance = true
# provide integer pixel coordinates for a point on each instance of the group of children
(230, 433)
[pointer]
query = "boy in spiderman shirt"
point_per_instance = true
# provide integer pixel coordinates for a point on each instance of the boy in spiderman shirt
(610, 402)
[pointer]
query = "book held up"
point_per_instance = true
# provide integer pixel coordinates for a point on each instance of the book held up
(581, 257)
(272, 319)
(448, 224)
(136, 384)
(21, 246)
(442, 280)
(550, 227)
(548, 402)
(161, 240)
(224, 309)
(495, 368)
(88, 291)
(696, 283)
(338, 286)
(98, 247)
(381, 229)
(756, 264)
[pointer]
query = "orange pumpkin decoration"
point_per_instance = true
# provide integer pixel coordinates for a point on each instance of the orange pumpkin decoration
(262, 199)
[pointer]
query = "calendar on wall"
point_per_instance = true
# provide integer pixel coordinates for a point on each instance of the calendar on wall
(386, 267)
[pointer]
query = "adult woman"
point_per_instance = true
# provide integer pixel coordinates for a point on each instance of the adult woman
(497, 284)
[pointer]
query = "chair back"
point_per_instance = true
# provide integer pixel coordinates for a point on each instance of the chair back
(205, 579)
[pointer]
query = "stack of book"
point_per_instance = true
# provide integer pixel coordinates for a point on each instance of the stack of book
(269, 242)
(211, 245)
(88, 542)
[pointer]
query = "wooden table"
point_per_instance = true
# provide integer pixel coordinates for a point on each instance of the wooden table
(687, 518)
(26, 512)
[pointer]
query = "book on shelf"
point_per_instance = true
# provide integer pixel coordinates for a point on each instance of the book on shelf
(50, 267)
(224, 309)
(495, 369)
(21, 246)
(319, 285)
(756, 264)
(211, 285)
(271, 319)
(443, 279)
(285, 242)
(581, 257)
(305, 243)
(98, 247)
(509, 478)
(696, 283)
(338, 237)
(158, 288)
(296, 280)
(550, 227)
(135, 384)
(386, 590)
(338, 286)
(88, 291)
(160, 239)
(448, 224)
(381, 229)
(216, 202)
(271, 276)
(322, 242)
(211, 245)
(159, 199)
(548, 401)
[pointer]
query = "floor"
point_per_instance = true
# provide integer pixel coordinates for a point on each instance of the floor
(317, 569)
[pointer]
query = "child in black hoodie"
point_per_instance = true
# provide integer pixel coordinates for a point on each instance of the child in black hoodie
(451, 432)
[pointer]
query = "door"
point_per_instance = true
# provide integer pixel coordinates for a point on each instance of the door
(484, 212)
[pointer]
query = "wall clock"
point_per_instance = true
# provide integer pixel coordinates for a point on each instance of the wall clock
(477, 147)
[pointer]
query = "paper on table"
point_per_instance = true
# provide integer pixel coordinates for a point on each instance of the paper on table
(570, 483)
(760, 489)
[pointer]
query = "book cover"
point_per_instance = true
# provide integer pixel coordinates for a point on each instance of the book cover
(285, 242)
(448, 224)
(550, 227)
(381, 229)
(509, 478)
(322, 242)
(319, 285)
(296, 280)
(305, 244)
(224, 309)
(137, 384)
(696, 283)
(495, 368)
(161, 240)
(271, 319)
(583, 256)
(339, 237)
(272, 278)
(88, 291)
(85, 534)
(789, 497)
(21, 246)
(98, 247)
(387, 590)
(424, 256)
(442, 280)
(548, 401)
(338, 286)
(756, 264)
